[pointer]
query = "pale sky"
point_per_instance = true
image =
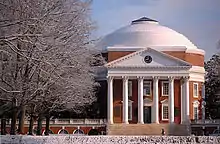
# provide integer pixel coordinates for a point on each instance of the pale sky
(199, 20)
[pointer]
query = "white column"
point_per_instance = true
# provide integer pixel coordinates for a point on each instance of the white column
(125, 100)
(183, 102)
(186, 86)
(110, 100)
(171, 100)
(155, 113)
(140, 101)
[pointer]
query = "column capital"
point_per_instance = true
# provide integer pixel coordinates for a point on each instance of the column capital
(140, 77)
(110, 78)
(155, 77)
(185, 78)
(125, 78)
(171, 79)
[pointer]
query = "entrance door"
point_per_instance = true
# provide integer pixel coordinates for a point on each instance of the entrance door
(117, 113)
(147, 114)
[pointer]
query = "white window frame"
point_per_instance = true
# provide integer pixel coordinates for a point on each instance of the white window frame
(197, 90)
(196, 105)
(147, 82)
(129, 88)
(130, 105)
(164, 119)
(163, 88)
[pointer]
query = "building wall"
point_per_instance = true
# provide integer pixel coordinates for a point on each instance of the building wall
(118, 98)
(192, 58)
(55, 129)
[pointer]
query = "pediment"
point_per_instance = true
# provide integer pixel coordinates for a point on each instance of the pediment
(165, 101)
(148, 58)
(147, 101)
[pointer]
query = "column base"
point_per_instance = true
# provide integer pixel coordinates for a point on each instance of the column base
(140, 123)
(125, 122)
(110, 122)
(156, 122)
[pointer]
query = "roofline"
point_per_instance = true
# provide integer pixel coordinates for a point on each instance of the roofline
(142, 50)
(158, 48)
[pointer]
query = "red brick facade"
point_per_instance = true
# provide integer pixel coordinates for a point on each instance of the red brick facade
(194, 59)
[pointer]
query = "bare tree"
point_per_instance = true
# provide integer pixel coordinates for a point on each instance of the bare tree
(45, 55)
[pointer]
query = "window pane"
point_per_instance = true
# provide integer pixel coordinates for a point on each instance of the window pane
(130, 88)
(165, 112)
(195, 90)
(147, 88)
(165, 88)
(195, 113)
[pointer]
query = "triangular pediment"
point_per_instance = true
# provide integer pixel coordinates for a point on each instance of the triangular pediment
(148, 58)
(165, 101)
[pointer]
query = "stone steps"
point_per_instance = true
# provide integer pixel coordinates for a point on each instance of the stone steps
(147, 129)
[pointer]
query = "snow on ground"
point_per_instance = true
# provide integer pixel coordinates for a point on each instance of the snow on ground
(106, 139)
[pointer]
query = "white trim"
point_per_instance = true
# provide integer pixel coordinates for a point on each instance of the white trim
(197, 90)
(78, 129)
(113, 63)
(162, 88)
(147, 82)
(196, 105)
(148, 102)
(159, 48)
(164, 104)
(197, 113)
(61, 130)
(43, 133)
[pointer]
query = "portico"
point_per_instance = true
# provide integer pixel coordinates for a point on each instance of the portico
(151, 66)
(155, 106)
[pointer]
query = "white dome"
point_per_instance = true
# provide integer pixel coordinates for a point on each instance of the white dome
(145, 32)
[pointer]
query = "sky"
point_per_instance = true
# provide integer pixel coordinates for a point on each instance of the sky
(198, 20)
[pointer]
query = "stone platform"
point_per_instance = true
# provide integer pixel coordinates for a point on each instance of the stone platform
(148, 129)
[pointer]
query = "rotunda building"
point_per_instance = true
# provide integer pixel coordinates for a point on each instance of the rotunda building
(154, 74)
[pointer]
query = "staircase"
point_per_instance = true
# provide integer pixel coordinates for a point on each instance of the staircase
(147, 129)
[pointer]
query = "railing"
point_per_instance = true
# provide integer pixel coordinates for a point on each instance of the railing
(70, 121)
(206, 121)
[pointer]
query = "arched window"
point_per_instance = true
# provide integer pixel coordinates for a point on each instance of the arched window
(196, 110)
(93, 132)
(63, 131)
(78, 132)
(50, 132)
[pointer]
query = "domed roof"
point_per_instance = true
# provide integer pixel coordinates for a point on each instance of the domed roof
(145, 32)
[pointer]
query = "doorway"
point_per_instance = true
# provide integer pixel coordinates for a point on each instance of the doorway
(147, 114)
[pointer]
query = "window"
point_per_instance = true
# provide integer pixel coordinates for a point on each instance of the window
(78, 132)
(130, 88)
(195, 90)
(147, 88)
(130, 109)
(196, 110)
(164, 112)
(117, 111)
(196, 114)
(165, 88)
(129, 112)
(62, 131)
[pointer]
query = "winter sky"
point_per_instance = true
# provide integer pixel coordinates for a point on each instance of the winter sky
(199, 20)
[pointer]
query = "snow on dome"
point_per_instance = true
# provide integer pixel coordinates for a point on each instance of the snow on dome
(145, 32)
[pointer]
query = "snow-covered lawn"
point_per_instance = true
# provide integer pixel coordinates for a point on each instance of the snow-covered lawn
(106, 139)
